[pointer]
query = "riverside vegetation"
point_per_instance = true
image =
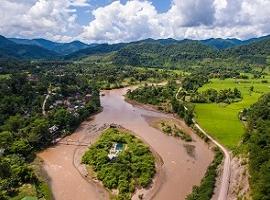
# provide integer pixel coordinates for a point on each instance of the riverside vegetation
(24, 130)
(134, 167)
(207, 96)
(257, 141)
(207, 70)
(175, 131)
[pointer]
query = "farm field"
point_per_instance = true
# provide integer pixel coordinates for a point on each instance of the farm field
(221, 120)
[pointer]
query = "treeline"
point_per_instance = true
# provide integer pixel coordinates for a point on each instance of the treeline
(156, 95)
(213, 96)
(183, 110)
(24, 130)
(132, 168)
(107, 76)
(194, 81)
(257, 139)
(153, 94)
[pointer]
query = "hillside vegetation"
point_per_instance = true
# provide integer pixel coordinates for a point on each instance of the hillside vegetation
(257, 139)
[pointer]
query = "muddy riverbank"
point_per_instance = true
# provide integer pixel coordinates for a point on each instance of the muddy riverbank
(180, 170)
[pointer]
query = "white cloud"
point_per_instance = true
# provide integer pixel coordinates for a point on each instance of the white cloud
(135, 20)
(53, 19)
(117, 22)
(192, 13)
(196, 19)
(80, 3)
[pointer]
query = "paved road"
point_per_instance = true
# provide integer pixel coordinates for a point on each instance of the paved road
(225, 179)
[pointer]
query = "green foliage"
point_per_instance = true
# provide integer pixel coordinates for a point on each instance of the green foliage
(154, 95)
(206, 188)
(211, 95)
(179, 107)
(193, 82)
(257, 139)
(154, 54)
(222, 120)
(24, 130)
(175, 131)
(133, 167)
(14, 171)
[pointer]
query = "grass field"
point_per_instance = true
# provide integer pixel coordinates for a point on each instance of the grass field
(221, 120)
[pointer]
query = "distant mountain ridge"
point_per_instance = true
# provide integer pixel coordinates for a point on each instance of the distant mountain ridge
(46, 49)
(60, 48)
(9, 49)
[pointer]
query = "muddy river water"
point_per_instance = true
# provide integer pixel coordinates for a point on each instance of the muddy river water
(180, 171)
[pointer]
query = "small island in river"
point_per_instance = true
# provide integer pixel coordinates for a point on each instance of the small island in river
(121, 161)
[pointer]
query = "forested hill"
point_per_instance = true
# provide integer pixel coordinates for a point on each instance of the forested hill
(60, 48)
(97, 49)
(261, 47)
(219, 43)
(257, 140)
(148, 52)
(142, 48)
(155, 54)
(9, 49)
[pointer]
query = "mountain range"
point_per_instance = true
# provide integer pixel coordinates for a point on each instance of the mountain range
(46, 49)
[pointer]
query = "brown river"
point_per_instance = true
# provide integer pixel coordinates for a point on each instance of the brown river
(179, 172)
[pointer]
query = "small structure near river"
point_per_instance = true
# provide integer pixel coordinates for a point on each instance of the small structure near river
(115, 150)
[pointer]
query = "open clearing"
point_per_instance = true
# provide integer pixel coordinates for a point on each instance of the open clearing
(221, 120)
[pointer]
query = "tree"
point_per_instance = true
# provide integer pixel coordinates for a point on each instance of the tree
(22, 147)
(5, 139)
(14, 123)
(38, 133)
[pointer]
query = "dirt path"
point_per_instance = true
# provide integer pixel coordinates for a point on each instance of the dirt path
(44, 103)
(225, 179)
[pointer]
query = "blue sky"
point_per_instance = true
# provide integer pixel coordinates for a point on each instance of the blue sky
(115, 21)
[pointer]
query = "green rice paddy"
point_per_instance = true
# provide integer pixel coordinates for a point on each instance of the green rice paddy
(221, 120)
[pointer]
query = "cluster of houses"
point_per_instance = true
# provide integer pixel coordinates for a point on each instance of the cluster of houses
(72, 104)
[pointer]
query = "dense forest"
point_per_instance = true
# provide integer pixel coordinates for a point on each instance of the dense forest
(153, 94)
(25, 130)
(257, 140)
(212, 95)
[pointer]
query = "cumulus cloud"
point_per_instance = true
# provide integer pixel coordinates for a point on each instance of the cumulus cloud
(192, 13)
(196, 19)
(117, 22)
(54, 19)
(135, 19)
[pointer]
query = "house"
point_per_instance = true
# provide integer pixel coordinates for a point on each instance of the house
(53, 129)
(115, 150)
